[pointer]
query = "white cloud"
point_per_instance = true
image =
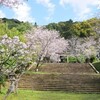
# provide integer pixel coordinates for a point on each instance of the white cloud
(81, 7)
(22, 13)
(49, 5)
(2, 15)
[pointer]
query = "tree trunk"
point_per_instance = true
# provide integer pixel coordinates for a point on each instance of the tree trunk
(12, 88)
(36, 69)
(37, 65)
(67, 59)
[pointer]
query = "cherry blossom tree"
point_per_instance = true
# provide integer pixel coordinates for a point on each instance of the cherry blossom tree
(82, 46)
(97, 47)
(15, 58)
(45, 43)
(74, 46)
(11, 3)
(89, 47)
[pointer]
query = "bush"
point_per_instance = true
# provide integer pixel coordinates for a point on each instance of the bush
(97, 65)
(81, 59)
(72, 59)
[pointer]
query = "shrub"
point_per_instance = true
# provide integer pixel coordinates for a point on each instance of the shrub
(97, 65)
(72, 59)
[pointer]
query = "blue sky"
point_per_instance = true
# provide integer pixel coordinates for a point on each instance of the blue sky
(48, 11)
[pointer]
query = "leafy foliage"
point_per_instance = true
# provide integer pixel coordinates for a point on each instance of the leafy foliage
(69, 28)
(97, 65)
(13, 27)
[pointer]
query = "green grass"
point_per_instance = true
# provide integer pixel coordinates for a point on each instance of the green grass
(97, 65)
(50, 95)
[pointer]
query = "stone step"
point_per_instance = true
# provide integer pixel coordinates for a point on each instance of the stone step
(61, 82)
(66, 68)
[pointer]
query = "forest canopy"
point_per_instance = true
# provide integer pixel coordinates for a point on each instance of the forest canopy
(13, 27)
(70, 28)
(67, 29)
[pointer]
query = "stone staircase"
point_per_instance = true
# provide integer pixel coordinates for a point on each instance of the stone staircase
(76, 80)
(66, 68)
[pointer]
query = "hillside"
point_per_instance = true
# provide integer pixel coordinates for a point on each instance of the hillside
(13, 27)
(67, 29)
(70, 28)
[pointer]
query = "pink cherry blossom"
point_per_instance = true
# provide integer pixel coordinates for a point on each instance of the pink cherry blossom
(11, 3)
(45, 43)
